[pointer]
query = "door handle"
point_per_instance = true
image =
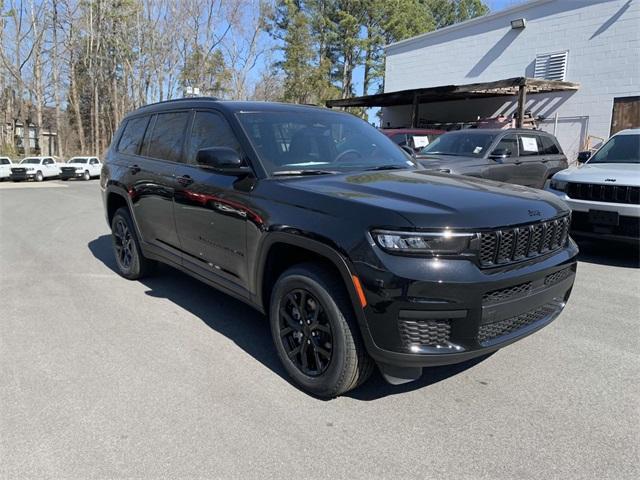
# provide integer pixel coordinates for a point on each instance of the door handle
(134, 169)
(185, 180)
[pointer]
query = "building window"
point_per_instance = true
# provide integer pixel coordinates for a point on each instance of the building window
(551, 66)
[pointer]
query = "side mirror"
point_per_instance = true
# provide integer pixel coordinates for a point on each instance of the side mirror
(223, 160)
(500, 154)
(408, 150)
(584, 156)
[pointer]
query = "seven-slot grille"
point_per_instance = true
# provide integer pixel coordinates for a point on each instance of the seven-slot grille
(511, 245)
(604, 193)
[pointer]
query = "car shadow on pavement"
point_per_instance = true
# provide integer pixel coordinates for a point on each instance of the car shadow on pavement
(249, 329)
(609, 253)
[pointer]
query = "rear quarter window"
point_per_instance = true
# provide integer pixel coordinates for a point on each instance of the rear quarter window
(132, 135)
(549, 146)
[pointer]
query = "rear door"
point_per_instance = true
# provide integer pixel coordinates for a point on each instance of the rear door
(151, 163)
(212, 210)
(503, 169)
(531, 167)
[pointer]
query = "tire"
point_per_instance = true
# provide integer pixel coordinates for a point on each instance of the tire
(39, 177)
(126, 248)
(86, 175)
(64, 179)
(332, 348)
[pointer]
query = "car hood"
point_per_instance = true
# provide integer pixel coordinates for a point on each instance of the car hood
(605, 173)
(432, 200)
(449, 162)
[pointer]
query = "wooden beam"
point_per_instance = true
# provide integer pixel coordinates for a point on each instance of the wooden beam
(415, 111)
(522, 101)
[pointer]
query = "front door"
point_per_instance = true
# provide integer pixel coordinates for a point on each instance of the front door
(531, 166)
(212, 210)
(503, 160)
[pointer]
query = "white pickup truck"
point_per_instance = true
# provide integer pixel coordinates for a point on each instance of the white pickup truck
(35, 168)
(81, 167)
(604, 192)
(5, 168)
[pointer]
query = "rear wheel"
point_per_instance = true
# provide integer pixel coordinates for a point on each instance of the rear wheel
(315, 332)
(86, 175)
(39, 176)
(131, 263)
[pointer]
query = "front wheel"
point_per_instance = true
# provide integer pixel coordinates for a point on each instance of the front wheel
(131, 263)
(315, 332)
(86, 175)
(39, 176)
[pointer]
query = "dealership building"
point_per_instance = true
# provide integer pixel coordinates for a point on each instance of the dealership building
(571, 65)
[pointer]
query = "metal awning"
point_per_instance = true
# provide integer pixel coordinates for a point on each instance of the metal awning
(509, 87)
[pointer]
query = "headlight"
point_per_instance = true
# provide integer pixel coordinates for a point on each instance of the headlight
(78, 169)
(30, 169)
(433, 243)
(558, 185)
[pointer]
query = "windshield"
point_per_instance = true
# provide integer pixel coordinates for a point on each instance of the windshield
(472, 144)
(79, 160)
(311, 141)
(619, 149)
(35, 161)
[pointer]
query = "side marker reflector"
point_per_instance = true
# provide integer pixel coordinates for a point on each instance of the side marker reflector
(359, 291)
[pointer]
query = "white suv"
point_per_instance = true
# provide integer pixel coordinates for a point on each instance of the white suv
(604, 193)
(5, 168)
(81, 167)
(35, 168)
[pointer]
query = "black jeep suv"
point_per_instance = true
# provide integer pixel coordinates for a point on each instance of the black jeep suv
(318, 220)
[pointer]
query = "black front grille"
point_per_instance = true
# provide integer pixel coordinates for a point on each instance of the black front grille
(429, 333)
(497, 296)
(604, 193)
(19, 171)
(68, 169)
(514, 244)
(491, 331)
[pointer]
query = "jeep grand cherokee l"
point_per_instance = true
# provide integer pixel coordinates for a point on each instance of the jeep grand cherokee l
(318, 220)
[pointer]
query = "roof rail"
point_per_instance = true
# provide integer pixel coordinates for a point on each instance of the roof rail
(180, 100)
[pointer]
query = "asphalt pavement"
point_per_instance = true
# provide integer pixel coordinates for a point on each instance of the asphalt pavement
(101, 377)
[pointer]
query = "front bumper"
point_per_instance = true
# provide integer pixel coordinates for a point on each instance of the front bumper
(67, 175)
(427, 312)
(583, 226)
(17, 177)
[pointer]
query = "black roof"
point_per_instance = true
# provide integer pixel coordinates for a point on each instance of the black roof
(228, 105)
(497, 131)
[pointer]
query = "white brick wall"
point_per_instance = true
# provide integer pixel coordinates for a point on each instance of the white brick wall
(602, 37)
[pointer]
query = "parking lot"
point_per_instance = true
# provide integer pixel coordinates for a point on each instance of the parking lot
(101, 377)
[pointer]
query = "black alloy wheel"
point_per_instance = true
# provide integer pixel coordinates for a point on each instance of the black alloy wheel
(306, 332)
(123, 244)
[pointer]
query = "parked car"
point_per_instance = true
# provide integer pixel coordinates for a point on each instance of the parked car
(81, 167)
(357, 256)
(523, 157)
(5, 168)
(604, 193)
(35, 168)
(414, 138)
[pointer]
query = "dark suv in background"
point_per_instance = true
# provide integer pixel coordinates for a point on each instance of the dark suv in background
(520, 156)
(318, 220)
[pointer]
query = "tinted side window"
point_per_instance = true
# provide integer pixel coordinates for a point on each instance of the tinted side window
(399, 138)
(508, 145)
(549, 146)
(4, 161)
(132, 135)
(168, 135)
(529, 145)
(210, 130)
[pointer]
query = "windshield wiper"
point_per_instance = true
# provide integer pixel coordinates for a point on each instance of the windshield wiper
(386, 167)
(282, 173)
